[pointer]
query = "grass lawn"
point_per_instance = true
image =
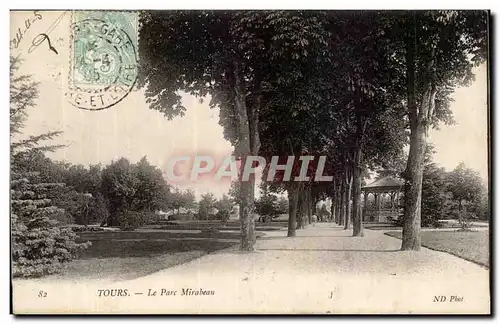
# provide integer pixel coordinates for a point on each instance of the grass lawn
(471, 246)
(128, 255)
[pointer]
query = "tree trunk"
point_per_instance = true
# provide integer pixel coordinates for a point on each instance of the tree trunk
(333, 208)
(293, 196)
(413, 192)
(420, 117)
(309, 206)
(335, 203)
(300, 209)
(338, 206)
(460, 212)
(357, 222)
(345, 219)
(298, 224)
(347, 224)
(248, 144)
(246, 215)
(342, 205)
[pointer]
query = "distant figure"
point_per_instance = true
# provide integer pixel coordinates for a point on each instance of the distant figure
(314, 218)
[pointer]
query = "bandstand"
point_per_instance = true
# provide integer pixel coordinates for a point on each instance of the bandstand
(385, 205)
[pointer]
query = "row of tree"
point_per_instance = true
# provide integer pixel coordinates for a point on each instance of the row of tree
(108, 194)
(354, 86)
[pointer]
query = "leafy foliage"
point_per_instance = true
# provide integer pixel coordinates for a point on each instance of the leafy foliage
(435, 197)
(39, 244)
(182, 199)
(133, 187)
(465, 184)
(206, 206)
(224, 207)
(467, 189)
(130, 220)
(269, 205)
(239, 58)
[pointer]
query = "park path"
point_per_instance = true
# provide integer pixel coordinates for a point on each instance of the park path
(322, 270)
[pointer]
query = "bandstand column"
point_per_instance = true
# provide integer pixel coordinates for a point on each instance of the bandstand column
(365, 205)
(377, 206)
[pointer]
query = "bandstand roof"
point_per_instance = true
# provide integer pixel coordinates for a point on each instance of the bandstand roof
(384, 184)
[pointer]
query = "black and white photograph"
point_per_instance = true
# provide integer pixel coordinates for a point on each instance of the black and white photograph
(250, 162)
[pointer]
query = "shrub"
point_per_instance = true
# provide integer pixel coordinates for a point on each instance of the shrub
(80, 229)
(149, 217)
(222, 215)
(129, 220)
(183, 216)
(40, 247)
(465, 220)
(429, 220)
(98, 210)
(39, 244)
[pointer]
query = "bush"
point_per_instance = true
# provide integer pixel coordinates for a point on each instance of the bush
(40, 247)
(85, 229)
(98, 210)
(465, 220)
(149, 218)
(183, 216)
(222, 215)
(429, 220)
(39, 244)
(129, 220)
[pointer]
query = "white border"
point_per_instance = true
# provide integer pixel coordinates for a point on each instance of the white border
(190, 4)
(258, 4)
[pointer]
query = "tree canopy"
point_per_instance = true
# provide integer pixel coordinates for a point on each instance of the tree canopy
(354, 86)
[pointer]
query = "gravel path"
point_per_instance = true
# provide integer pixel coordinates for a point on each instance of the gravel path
(322, 270)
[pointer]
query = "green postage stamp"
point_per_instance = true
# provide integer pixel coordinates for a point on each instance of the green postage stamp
(103, 65)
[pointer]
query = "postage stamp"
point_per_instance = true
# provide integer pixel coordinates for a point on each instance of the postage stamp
(103, 63)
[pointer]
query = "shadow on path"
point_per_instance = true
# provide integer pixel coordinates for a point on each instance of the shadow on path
(304, 237)
(328, 250)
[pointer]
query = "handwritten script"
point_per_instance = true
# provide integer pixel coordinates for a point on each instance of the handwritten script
(22, 31)
(40, 38)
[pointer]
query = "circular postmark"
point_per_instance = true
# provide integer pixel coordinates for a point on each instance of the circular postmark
(103, 64)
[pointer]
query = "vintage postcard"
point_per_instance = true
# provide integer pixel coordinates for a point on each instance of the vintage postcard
(250, 162)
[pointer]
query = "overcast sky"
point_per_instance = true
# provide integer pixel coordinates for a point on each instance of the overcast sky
(132, 130)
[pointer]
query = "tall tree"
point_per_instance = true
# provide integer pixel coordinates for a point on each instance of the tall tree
(267, 204)
(182, 199)
(436, 199)
(466, 187)
(119, 186)
(440, 51)
(225, 207)
(207, 204)
(151, 188)
(39, 244)
(231, 56)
